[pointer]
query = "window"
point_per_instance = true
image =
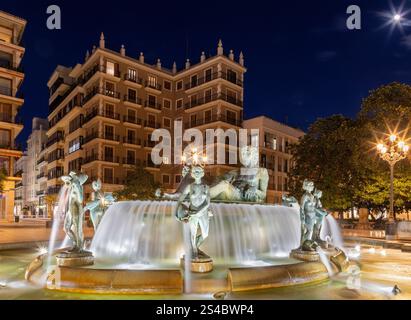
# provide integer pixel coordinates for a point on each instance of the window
(109, 110)
(5, 86)
(109, 132)
(231, 116)
(110, 68)
(280, 165)
(5, 164)
(152, 81)
(166, 122)
(131, 136)
(132, 75)
(131, 115)
(207, 95)
(152, 100)
(6, 60)
(207, 115)
(254, 139)
(131, 95)
(5, 138)
(108, 175)
(151, 120)
(166, 160)
(166, 179)
(109, 154)
(194, 80)
(208, 75)
(179, 85)
(193, 120)
(274, 143)
(167, 103)
(177, 178)
(131, 157)
(74, 145)
(167, 85)
(6, 34)
(193, 100)
(179, 103)
(231, 76)
(110, 89)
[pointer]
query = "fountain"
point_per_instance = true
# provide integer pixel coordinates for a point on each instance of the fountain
(153, 247)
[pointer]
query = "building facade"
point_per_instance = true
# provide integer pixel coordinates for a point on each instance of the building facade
(103, 111)
(20, 194)
(274, 141)
(11, 78)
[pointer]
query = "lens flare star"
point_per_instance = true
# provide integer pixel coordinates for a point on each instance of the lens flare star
(395, 18)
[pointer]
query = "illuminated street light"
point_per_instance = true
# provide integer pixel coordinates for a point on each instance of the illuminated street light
(397, 17)
(392, 152)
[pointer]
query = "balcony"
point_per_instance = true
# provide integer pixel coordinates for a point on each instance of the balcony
(213, 118)
(10, 66)
(7, 91)
(18, 198)
(130, 161)
(211, 77)
(150, 164)
(96, 157)
(134, 141)
(41, 175)
(152, 105)
(16, 147)
(96, 113)
(133, 120)
(4, 117)
(96, 135)
(133, 79)
(42, 159)
(40, 193)
(55, 138)
(152, 124)
(101, 90)
(149, 144)
(151, 85)
(214, 97)
(134, 100)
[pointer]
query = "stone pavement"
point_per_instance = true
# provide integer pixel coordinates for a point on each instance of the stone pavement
(403, 245)
(15, 236)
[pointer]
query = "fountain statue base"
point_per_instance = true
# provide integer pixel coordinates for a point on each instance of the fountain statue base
(202, 264)
(309, 256)
(75, 259)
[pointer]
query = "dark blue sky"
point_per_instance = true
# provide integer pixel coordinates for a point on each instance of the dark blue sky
(303, 63)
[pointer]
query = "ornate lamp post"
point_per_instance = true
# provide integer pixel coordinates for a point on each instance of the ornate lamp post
(392, 152)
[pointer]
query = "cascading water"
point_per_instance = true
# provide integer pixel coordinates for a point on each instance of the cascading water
(146, 232)
(58, 213)
(331, 229)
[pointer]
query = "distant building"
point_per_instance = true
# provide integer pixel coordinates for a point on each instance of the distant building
(20, 194)
(32, 193)
(102, 112)
(274, 141)
(11, 78)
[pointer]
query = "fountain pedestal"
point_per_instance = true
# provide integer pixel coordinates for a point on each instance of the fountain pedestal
(75, 259)
(201, 264)
(309, 256)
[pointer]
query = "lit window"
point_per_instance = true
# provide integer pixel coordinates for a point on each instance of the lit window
(274, 143)
(152, 81)
(254, 140)
(110, 68)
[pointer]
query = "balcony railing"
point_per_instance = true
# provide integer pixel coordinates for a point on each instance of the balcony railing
(152, 124)
(213, 97)
(10, 66)
(105, 114)
(134, 100)
(213, 76)
(53, 190)
(7, 91)
(152, 105)
(150, 164)
(213, 118)
(129, 161)
(149, 144)
(131, 119)
(55, 139)
(40, 192)
(134, 141)
(42, 159)
(101, 90)
(151, 85)
(130, 78)
(96, 135)
(112, 180)
(41, 175)
(16, 147)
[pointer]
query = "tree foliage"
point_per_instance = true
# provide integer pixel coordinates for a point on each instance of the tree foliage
(339, 154)
(139, 185)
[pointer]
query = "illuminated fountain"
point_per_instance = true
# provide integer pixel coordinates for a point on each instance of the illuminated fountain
(139, 246)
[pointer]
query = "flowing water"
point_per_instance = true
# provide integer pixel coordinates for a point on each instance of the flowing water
(146, 232)
(58, 216)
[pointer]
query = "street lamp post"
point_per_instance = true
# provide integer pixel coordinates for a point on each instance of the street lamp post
(392, 152)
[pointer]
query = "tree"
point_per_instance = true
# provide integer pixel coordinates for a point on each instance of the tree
(325, 155)
(140, 185)
(339, 154)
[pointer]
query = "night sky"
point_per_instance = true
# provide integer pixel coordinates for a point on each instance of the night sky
(303, 63)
